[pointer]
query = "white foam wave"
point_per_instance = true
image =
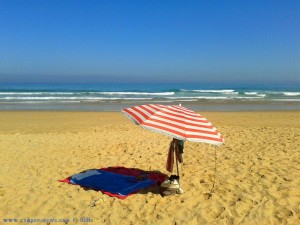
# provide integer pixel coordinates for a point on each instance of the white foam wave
(198, 97)
(42, 98)
(291, 93)
(38, 93)
(21, 93)
(68, 98)
(23, 102)
(254, 97)
(251, 93)
(135, 93)
(261, 95)
(80, 93)
(254, 94)
(214, 91)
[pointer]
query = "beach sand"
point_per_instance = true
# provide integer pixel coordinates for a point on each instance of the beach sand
(257, 178)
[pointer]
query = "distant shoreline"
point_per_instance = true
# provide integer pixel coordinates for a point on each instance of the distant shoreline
(117, 106)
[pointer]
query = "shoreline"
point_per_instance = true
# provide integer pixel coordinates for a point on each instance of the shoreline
(193, 105)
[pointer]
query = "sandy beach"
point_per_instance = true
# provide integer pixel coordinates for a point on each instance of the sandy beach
(257, 179)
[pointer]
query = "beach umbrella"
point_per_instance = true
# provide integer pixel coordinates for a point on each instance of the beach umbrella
(177, 122)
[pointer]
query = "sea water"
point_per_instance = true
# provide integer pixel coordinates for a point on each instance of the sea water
(114, 97)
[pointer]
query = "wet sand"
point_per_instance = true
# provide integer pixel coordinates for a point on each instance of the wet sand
(257, 179)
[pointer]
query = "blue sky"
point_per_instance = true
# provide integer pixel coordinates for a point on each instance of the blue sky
(144, 41)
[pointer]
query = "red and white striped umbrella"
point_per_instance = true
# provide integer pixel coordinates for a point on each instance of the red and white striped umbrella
(175, 121)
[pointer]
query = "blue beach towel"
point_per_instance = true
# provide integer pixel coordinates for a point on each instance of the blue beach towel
(116, 181)
(110, 182)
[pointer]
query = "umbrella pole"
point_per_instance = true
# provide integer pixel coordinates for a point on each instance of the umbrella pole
(175, 141)
(179, 191)
(177, 167)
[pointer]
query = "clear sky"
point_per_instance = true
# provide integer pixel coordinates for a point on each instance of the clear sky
(72, 41)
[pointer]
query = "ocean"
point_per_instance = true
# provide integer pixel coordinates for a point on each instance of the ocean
(114, 97)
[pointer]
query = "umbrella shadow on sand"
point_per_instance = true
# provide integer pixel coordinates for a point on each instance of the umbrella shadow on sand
(118, 181)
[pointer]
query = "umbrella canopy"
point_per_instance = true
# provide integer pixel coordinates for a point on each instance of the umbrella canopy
(175, 121)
